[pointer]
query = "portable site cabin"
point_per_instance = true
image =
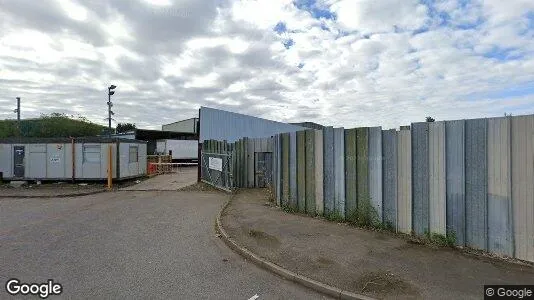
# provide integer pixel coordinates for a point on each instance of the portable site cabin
(71, 159)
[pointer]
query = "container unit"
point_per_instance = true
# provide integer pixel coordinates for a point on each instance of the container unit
(71, 159)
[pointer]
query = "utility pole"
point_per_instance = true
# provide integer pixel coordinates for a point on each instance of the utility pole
(17, 110)
(110, 113)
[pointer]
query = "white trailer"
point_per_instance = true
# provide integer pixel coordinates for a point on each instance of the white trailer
(181, 150)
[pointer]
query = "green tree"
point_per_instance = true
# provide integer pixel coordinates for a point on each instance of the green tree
(430, 119)
(51, 125)
(125, 127)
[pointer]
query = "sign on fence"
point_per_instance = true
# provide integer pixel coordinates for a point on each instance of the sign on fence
(215, 163)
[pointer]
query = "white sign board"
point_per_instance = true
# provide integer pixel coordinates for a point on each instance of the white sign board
(55, 159)
(215, 163)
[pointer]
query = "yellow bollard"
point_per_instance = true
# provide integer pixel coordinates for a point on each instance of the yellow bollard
(110, 167)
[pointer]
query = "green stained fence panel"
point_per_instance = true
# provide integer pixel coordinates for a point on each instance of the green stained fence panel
(362, 165)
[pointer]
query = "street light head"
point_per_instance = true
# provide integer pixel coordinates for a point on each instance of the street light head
(18, 98)
(112, 87)
(111, 92)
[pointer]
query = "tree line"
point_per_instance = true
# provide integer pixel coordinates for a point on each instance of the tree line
(57, 125)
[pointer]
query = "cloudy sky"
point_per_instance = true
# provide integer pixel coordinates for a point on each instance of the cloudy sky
(337, 62)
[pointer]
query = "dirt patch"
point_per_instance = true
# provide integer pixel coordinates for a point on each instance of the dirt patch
(264, 239)
(325, 261)
(378, 263)
(200, 187)
(384, 283)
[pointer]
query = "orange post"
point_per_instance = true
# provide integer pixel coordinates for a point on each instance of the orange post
(110, 167)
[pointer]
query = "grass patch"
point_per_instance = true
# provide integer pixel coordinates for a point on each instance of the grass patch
(334, 216)
(440, 240)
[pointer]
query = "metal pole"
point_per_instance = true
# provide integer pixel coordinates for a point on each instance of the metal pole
(109, 112)
(18, 117)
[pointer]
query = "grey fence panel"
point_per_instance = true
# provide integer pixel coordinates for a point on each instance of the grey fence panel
(274, 168)
(455, 149)
(319, 184)
(279, 168)
(420, 172)
(310, 172)
(293, 170)
(328, 167)
(500, 238)
(301, 171)
(339, 167)
(476, 183)
(389, 167)
(522, 186)
(285, 168)
(375, 169)
(362, 165)
(404, 182)
(437, 178)
(350, 172)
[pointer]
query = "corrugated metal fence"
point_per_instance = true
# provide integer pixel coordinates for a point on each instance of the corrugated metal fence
(473, 179)
(246, 163)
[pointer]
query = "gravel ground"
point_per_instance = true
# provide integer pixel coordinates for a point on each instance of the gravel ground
(130, 245)
(374, 263)
(50, 189)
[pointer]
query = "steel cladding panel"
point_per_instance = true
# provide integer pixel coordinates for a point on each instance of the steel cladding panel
(437, 178)
(224, 125)
(476, 183)
(404, 182)
(285, 169)
(319, 184)
(455, 149)
(36, 161)
(6, 160)
(389, 167)
(293, 170)
(350, 171)
(328, 167)
(375, 169)
(522, 186)
(339, 167)
(362, 165)
(310, 172)
(55, 157)
(301, 171)
(500, 238)
(420, 172)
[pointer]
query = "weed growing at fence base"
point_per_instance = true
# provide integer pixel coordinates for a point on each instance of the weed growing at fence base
(440, 240)
(334, 217)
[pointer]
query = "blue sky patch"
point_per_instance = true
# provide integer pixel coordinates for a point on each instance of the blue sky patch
(280, 27)
(316, 11)
(502, 54)
(288, 43)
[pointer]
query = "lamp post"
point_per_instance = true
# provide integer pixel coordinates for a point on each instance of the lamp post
(17, 110)
(110, 92)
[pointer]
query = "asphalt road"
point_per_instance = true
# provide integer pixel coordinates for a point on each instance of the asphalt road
(158, 245)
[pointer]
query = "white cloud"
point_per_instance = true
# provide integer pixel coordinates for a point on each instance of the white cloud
(368, 67)
(370, 16)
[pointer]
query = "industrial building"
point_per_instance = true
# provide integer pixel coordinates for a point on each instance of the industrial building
(71, 159)
(153, 136)
(188, 125)
(216, 124)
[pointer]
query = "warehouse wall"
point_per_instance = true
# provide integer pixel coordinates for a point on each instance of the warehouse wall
(223, 125)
